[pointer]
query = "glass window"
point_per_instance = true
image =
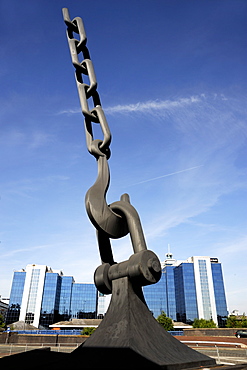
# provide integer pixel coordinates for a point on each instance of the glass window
(219, 293)
(16, 293)
(65, 298)
(185, 291)
(84, 301)
(207, 309)
(155, 296)
(50, 300)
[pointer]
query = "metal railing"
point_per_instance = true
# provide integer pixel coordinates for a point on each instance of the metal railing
(13, 348)
(200, 342)
(176, 332)
(48, 332)
(225, 353)
(72, 332)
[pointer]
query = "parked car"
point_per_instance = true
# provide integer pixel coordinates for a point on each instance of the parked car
(241, 334)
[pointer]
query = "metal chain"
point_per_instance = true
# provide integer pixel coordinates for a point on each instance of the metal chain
(87, 91)
(114, 224)
(119, 218)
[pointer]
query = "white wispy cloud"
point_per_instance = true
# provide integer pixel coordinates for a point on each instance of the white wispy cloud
(152, 105)
(149, 105)
(167, 175)
(11, 253)
(69, 111)
(143, 107)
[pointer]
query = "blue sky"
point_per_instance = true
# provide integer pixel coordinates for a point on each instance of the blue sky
(172, 79)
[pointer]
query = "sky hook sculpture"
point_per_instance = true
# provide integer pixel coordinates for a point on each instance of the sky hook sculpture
(128, 333)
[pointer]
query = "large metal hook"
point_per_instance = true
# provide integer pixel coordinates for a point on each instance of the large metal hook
(100, 213)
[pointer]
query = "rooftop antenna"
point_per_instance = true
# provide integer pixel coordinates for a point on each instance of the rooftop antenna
(169, 254)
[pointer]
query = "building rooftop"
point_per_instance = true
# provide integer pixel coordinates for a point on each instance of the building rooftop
(77, 323)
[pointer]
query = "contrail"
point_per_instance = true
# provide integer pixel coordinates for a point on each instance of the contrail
(152, 105)
(143, 107)
(169, 174)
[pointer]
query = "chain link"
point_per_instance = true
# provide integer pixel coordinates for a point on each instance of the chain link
(87, 91)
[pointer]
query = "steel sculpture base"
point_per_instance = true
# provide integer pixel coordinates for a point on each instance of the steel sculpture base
(130, 333)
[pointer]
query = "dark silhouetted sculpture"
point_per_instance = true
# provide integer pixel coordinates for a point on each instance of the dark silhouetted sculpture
(128, 336)
(128, 331)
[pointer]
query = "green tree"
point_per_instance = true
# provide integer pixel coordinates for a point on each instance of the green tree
(234, 322)
(202, 323)
(231, 322)
(2, 324)
(165, 321)
(87, 331)
(244, 321)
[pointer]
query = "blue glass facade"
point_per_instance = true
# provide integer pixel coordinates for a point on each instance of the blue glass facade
(65, 297)
(177, 293)
(185, 291)
(161, 296)
(16, 293)
(171, 306)
(219, 293)
(84, 301)
(155, 296)
(50, 299)
(62, 298)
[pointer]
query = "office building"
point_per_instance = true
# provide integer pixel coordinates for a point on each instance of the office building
(41, 296)
(189, 289)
